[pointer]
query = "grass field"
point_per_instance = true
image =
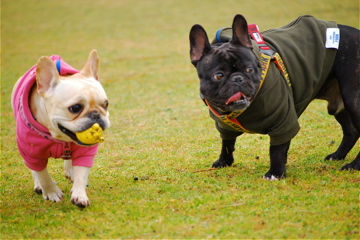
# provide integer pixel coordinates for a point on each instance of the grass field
(161, 132)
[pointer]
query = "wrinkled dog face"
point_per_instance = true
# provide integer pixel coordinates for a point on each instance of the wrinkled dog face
(229, 73)
(73, 103)
(78, 105)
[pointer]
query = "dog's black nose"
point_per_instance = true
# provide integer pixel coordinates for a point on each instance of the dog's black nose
(94, 115)
(238, 78)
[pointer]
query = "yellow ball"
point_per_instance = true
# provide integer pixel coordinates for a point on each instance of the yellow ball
(91, 135)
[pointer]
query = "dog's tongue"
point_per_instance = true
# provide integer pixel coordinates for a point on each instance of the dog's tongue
(236, 97)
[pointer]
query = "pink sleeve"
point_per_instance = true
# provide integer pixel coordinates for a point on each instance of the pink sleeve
(36, 164)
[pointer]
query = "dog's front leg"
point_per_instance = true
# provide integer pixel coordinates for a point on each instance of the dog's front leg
(226, 157)
(44, 184)
(78, 191)
(278, 159)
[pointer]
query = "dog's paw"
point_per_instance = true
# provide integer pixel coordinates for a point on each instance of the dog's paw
(38, 190)
(220, 163)
(272, 177)
(52, 193)
(335, 157)
(80, 199)
(351, 166)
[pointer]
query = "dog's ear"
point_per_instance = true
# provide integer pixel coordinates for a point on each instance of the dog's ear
(91, 67)
(199, 43)
(240, 32)
(47, 75)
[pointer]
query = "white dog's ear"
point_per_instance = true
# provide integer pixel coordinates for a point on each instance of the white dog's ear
(91, 68)
(47, 75)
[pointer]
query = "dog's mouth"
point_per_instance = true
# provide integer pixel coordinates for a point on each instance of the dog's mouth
(238, 98)
(237, 102)
(72, 135)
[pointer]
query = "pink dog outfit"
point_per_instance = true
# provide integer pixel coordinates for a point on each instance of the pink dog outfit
(34, 141)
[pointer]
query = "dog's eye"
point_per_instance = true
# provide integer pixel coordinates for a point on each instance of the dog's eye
(218, 76)
(76, 108)
(106, 104)
(249, 70)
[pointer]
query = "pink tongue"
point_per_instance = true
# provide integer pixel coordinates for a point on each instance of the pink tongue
(236, 97)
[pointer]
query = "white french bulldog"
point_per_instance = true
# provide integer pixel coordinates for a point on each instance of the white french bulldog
(55, 105)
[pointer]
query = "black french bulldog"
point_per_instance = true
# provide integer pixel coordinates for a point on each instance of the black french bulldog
(241, 99)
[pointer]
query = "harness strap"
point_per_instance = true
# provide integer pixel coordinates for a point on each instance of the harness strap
(255, 34)
(281, 66)
(233, 122)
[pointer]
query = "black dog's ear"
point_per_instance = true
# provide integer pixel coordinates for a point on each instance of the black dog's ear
(240, 32)
(199, 43)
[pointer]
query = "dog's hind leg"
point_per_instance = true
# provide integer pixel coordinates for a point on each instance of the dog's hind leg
(37, 186)
(44, 184)
(347, 72)
(350, 136)
(346, 69)
(68, 170)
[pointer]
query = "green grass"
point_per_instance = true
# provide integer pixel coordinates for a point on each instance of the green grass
(161, 132)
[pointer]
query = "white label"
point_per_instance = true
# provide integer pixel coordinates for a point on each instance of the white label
(257, 37)
(332, 38)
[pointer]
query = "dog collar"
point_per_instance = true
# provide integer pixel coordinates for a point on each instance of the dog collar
(266, 56)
